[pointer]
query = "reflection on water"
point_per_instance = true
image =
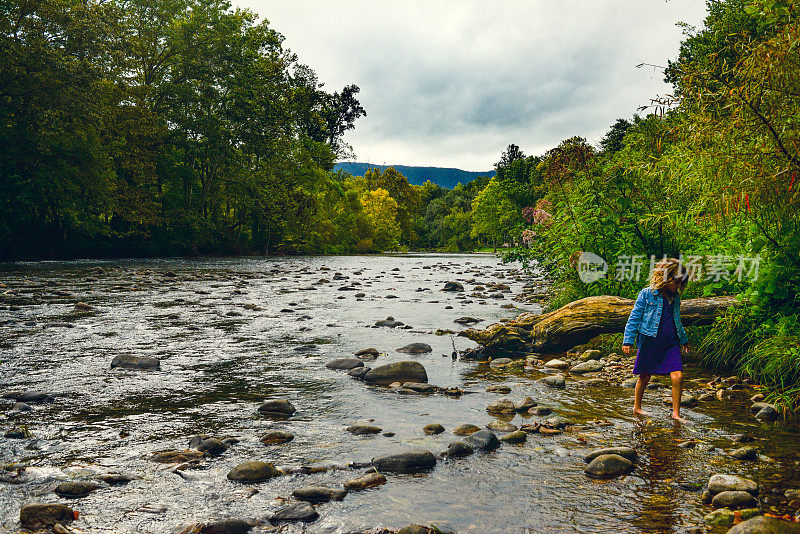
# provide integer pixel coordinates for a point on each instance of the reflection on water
(233, 332)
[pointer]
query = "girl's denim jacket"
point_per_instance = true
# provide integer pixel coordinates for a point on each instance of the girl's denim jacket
(646, 315)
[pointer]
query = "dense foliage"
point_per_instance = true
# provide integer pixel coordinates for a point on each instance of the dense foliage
(165, 127)
(712, 176)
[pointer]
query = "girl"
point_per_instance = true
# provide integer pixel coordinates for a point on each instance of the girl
(655, 325)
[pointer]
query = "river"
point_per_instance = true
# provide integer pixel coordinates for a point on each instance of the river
(233, 332)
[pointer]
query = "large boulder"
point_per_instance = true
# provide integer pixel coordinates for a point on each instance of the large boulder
(766, 525)
(141, 363)
(36, 516)
(405, 462)
(608, 466)
(407, 371)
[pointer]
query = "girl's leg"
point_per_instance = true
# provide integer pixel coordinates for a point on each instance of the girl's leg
(677, 390)
(639, 393)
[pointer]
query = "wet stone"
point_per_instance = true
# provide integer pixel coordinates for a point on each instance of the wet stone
(140, 363)
(432, 429)
(465, 429)
(277, 407)
(555, 381)
(252, 472)
(415, 348)
(765, 525)
(719, 483)
(458, 449)
(300, 511)
(344, 364)
(748, 452)
(406, 462)
(75, 490)
(498, 425)
(524, 405)
(608, 466)
(517, 436)
(590, 366)
(625, 452)
(501, 406)
(363, 430)
(318, 494)
(228, 526)
(484, 440)
(368, 480)
(35, 516)
(212, 447)
(115, 479)
(407, 371)
(176, 456)
(733, 499)
(498, 388)
(276, 437)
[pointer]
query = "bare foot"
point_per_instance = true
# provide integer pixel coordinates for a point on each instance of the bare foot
(678, 419)
(640, 412)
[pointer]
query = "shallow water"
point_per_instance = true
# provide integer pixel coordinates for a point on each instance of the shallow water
(220, 360)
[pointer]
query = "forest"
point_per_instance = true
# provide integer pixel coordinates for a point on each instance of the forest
(185, 127)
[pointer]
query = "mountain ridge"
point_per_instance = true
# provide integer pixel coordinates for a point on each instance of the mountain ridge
(446, 177)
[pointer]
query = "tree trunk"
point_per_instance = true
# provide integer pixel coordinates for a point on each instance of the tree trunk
(578, 322)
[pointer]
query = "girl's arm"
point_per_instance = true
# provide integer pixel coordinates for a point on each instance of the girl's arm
(634, 320)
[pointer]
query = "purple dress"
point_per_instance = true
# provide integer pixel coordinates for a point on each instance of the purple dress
(660, 355)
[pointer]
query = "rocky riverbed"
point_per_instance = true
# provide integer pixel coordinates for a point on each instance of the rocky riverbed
(329, 395)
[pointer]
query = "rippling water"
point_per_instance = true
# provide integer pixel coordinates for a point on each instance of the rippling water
(233, 332)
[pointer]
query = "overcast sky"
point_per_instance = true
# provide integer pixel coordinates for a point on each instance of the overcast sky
(452, 83)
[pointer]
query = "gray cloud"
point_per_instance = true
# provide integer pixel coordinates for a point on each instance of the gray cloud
(453, 83)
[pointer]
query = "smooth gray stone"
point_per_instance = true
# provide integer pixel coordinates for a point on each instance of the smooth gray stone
(608, 466)
(765, 525)
(625, 452)
(344, 364)
(405, 462)
(484, 440)
(299, 511)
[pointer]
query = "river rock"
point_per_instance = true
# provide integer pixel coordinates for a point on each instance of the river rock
(458, 449)
(432, 429)
(540, 410)
(465, 429)
(115, 479)
(453, 286)
(21, 407)
(359, 372)
(608, 466)
(724, 517)
(368, 480)
(276, 437)
(626, 452)
(75, 490)
(766, 525)
(405, 462)
(390, 322)
(420, 387)
(415, 348)
(212, 447)
(484, 440)
(367, 354)
(719, 483)
(591, 366)
(277, 407)
(501, 406)
(141, 363)
(498, 425)
(407, 371)
(36, 516)
(498, 388)
(524, 405)
(298, 511)
(363, 430)
(590, 354)
(318, 494)
(227, 526)
(517, 436)
(748, 452)
(197, 439)
(733, 499)
(253, 471)
(555, 381)
(687, 400)
(630, 382)
(29, 397)
(557, 364)
(176, 456)
(467, 321)
(768, 414)
(500, 362)
(344, 364)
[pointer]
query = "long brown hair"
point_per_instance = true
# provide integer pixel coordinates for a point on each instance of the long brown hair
(667, 270)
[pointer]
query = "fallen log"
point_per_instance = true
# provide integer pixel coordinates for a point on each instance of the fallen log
(578, 322)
